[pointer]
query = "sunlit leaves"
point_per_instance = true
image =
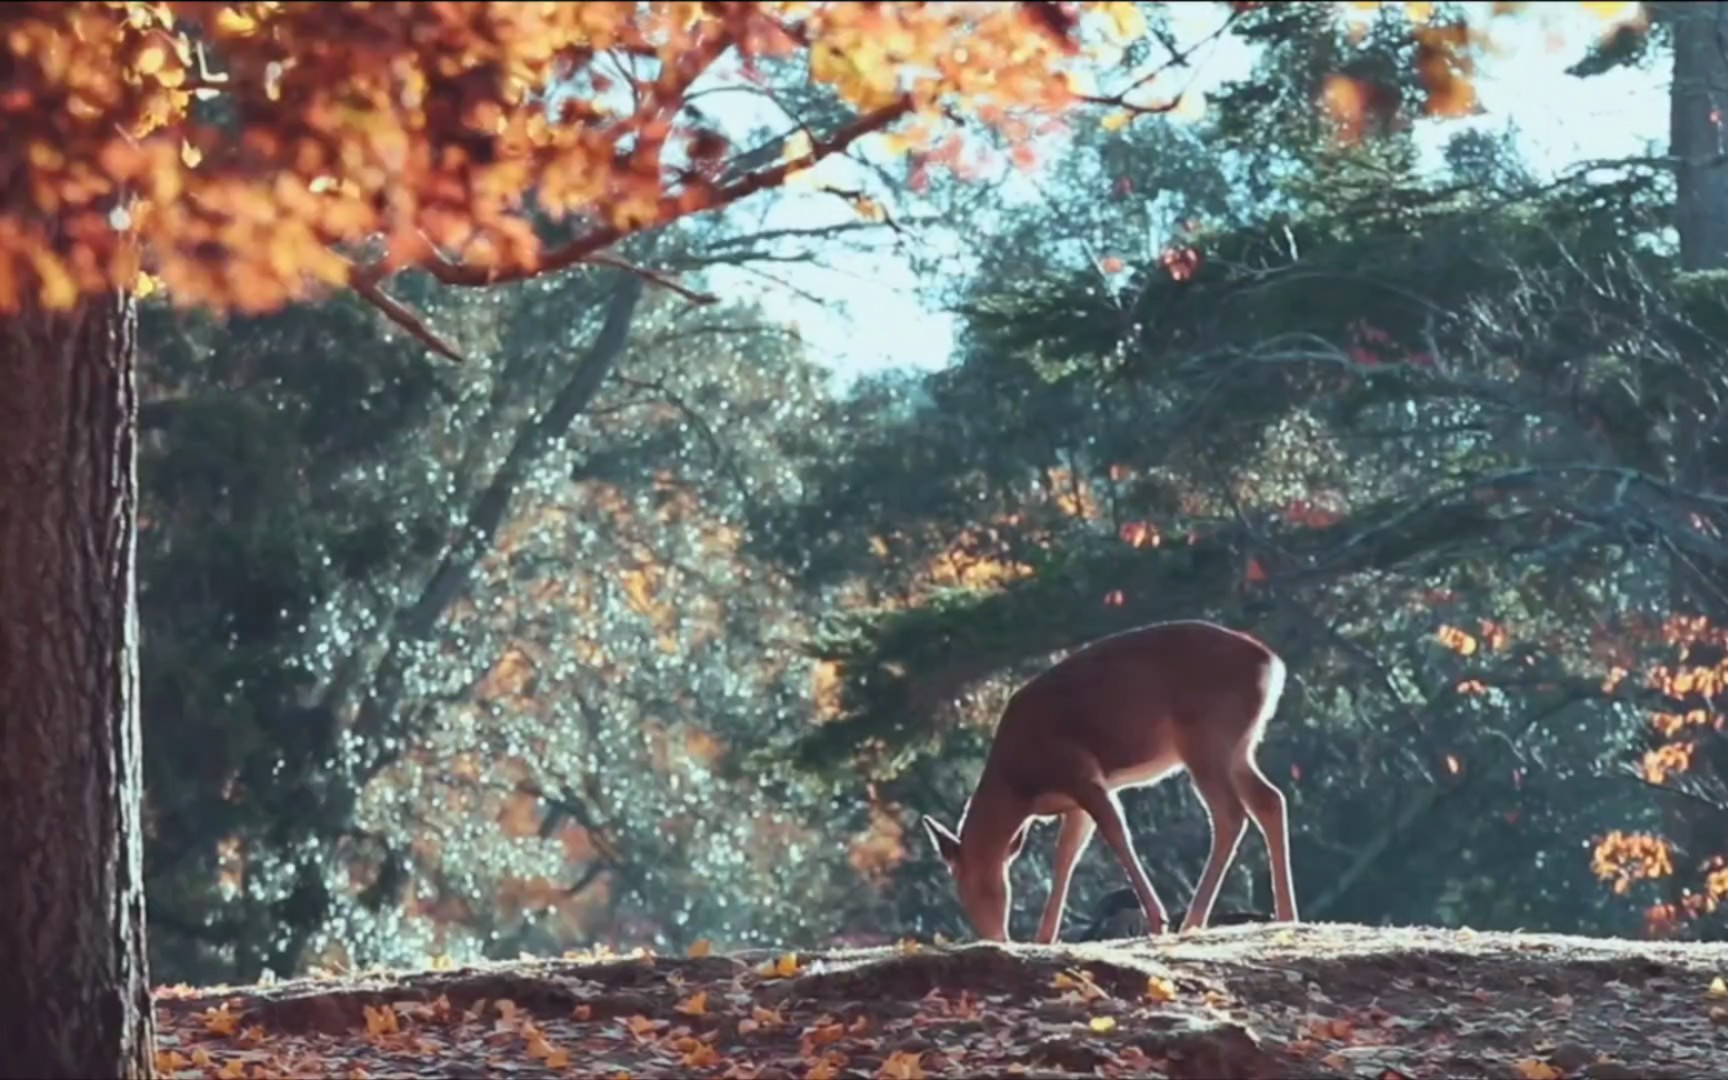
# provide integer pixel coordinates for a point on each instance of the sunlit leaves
(1459, 641)
(1627, 858)
(428, 124)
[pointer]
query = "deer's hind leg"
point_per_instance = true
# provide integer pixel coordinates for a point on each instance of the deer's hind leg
(1265, 804)
(1229, 820)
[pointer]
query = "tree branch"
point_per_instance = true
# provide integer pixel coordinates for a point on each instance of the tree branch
(378, 711)
(669, 209)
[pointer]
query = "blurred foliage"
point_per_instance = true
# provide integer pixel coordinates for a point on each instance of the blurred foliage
(421, 679)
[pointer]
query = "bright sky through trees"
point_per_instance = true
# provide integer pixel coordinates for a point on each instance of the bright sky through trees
(873, 316)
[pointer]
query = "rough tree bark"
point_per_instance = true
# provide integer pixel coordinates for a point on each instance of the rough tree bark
(1698, 130)
(74, 985)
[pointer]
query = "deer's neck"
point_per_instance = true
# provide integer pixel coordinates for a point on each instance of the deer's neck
(992, 817)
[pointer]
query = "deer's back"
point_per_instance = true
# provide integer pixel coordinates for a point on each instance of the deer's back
(1139, 703)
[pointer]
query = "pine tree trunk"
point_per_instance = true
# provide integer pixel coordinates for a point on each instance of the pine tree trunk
(1698, 130)
(74, 985)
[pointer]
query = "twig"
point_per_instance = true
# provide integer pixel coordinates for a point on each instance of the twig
(654, 278)
(585, 247)
(366, 285)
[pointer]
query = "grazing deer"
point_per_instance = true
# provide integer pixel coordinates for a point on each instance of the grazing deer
(1125, 711)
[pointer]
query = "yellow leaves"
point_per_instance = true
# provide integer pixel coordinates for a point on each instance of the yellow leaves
(539, 1049)
(1657, 764)
(825, 1068)
(699, 948)
(58, 288)
(381, 1021)
(784, 966)
(1610, 10)
(169, 1062)
(1627, 858)
(1532, 1069)
(643, 1028)
(1444, 66)
(1457, 640)
(826, 684)
(1160, 990)
(1718, 989)
(880, 848)
(694, 1005)
(759, 1019)
(324, 101)
(902, 1065)
(151, 59)
(1103, 1025)
(509, 677)
(233, 22)
(1346, 101)
(219, 1021)
(798, 147)
(1079, 983)
(1126, 21)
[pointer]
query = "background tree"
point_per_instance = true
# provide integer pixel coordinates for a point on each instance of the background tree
(1463, 429)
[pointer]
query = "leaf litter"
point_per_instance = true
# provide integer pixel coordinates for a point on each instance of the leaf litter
(1316, 1000)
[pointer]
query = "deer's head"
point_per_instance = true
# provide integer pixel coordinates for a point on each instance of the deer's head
(980, 876)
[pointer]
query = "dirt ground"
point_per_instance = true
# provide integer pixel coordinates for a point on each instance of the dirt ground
(1315, 1000)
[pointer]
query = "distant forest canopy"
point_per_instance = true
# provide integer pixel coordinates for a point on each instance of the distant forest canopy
(661, 638)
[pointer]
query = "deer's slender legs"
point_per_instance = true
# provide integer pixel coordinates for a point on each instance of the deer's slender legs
(1106, 810)
(1076, 833)
(1265, 805)
(1229, 821)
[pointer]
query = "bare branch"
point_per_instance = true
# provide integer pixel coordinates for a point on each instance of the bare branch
(670, 208)
(397, 312)
(653, 278)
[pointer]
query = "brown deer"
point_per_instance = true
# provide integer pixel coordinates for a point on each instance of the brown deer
(1124, 711)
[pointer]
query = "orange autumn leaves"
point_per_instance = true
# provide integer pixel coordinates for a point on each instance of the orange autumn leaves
(243, 171)
(252, 168)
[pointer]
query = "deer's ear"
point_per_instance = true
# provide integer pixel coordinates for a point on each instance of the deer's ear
(947, 844)
(1018, 842)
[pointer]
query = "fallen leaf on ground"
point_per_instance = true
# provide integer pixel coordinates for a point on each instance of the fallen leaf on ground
(902, 1065)
(219, 1021)
(694, 1005)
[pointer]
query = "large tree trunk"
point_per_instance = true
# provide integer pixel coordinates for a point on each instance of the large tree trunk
(1698, 119)
(74, 986)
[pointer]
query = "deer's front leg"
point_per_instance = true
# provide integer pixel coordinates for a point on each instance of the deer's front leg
(1099, 802)
(1076, 832)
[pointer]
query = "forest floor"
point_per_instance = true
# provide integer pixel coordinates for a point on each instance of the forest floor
(1313, 1000)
